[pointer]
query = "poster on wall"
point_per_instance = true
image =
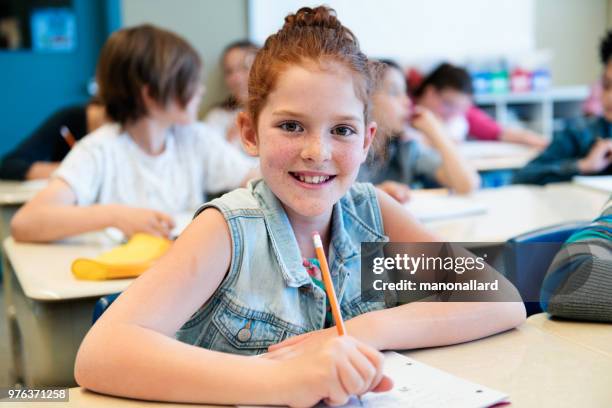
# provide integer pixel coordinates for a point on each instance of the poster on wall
(53, 30)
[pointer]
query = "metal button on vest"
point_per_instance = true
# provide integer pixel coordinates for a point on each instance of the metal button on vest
(244, 334)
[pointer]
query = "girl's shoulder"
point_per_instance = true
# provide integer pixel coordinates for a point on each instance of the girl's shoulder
(238, 202)
(360, 206)
(360, 195)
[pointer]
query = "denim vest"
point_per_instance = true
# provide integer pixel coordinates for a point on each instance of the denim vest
(267, 294)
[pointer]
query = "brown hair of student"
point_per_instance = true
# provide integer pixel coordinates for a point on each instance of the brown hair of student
(310, 35)
(140, 56)
(446, 76)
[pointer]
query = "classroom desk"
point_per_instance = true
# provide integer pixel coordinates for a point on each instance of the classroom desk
(18, 192)
(48, 310)
(489, 156)
(592, 335)
(516, 209)
(536, 369)
(13, 194)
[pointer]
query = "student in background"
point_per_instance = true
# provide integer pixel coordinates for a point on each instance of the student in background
(447, 91)
(398, 158)
(241, 277)
(39, 154)
(578, 284)
(237, 59)
(584, 145)
(592, 104)
(154, 161)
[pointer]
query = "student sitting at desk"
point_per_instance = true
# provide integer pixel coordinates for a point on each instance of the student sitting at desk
(154, 161)
(242, 278)
(237, 59)
(399, 158)
(584, 146)
(38, 156)
(578, 284)
(447, 91)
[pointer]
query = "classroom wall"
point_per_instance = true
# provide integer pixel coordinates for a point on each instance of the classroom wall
(411, 31)
(33, 85)
(208, 25)
(572, 30)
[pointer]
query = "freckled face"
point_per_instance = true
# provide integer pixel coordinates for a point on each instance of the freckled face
(312, 138)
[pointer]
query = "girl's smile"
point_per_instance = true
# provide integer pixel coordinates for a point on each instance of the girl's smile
(312, 179)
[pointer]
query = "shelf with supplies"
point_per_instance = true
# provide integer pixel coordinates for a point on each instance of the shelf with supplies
(539, 111)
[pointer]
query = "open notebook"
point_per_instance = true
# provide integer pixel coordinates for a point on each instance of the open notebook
(432, 208)
(419, 385)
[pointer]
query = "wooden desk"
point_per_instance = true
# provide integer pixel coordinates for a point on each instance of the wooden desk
(516, 209)
(48, 310)
(591, 335)
(536, 369)
(488, 156)
(13, 194)
(18, 192)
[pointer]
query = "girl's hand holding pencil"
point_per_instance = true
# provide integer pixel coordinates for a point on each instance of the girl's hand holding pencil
(331, 368)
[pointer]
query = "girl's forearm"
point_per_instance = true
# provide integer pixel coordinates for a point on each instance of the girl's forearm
(43, 223)
(136, 362)
(429, 324)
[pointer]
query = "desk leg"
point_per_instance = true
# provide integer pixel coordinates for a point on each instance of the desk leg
(6, 213)
(47, 335)
(13, 366)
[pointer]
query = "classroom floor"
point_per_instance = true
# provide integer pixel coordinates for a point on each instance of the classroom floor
(4, 345)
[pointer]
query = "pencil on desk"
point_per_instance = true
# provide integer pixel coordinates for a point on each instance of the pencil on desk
(329, 286)
(68, 136)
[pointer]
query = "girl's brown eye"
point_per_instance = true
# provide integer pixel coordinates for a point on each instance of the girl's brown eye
(343, 131)
(291, 127)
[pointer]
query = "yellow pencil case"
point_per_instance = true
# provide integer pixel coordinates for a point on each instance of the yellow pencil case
(126, 261)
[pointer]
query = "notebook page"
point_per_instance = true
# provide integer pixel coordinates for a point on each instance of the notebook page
(419, 385)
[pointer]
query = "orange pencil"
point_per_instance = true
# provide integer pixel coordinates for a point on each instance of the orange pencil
(329, 286)
(68, 136)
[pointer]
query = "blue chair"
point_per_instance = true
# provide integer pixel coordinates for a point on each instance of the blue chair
(526, 265)
(102, 304)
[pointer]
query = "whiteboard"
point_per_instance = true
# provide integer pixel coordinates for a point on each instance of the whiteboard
(417, 30)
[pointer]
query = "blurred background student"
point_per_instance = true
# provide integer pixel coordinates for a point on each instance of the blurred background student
(37, 156)
(447, 91)
(152, 162)
(399, 159)
(237, 59)
(583, 145)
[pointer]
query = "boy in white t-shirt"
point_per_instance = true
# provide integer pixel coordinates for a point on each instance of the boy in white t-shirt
(152, 162)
